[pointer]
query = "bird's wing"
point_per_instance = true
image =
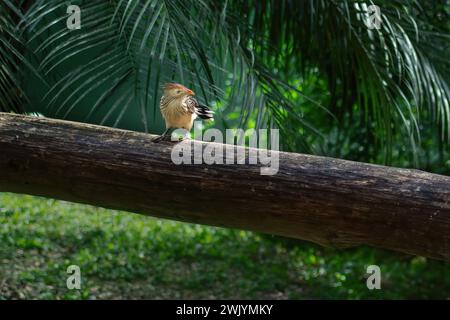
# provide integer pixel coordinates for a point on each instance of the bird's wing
(189, 104)
(192, 106)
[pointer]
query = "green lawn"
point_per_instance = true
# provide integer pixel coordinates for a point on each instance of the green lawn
(124, 255)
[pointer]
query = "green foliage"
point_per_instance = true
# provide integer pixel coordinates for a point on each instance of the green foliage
(122, 255)
(11, 94)
(388, 77)
(311, 68)
(126, 50)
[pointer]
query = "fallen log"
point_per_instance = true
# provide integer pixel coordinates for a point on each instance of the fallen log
(324, 200)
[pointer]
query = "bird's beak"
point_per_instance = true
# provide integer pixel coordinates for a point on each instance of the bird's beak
(190, 92)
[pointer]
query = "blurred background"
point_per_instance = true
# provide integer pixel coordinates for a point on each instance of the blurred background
(318, 71)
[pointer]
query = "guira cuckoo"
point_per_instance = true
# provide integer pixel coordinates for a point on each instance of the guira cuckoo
(179, 109)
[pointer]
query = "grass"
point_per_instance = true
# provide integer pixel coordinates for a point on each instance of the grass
(124, 255)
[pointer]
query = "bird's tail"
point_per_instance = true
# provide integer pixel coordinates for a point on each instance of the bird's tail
(203, 112)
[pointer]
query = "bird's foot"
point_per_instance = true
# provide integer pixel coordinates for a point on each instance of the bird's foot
(165, 136)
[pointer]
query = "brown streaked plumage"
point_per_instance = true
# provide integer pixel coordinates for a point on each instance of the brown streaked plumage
(179, 109)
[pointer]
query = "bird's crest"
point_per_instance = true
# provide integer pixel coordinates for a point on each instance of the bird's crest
(169, 86)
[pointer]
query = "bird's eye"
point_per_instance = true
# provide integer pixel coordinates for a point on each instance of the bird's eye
(178, 91)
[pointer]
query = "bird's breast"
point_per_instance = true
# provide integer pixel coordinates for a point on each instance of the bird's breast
(176, 116)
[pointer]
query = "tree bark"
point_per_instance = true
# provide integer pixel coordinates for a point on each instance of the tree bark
(327, 201)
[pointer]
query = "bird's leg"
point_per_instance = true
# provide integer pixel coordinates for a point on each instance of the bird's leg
(167, 135)
(163, 136)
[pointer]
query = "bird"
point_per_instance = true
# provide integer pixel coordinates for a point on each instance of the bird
(179, 109)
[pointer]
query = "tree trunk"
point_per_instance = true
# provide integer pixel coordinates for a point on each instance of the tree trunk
(327, 201)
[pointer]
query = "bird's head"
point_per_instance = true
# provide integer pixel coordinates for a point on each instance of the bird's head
(177, 90)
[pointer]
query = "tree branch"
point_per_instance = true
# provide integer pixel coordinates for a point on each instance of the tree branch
(327, 201)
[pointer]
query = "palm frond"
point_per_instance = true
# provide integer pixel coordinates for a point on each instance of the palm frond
(11, 58)
(311, 68)
(386, 73)
(153, 42)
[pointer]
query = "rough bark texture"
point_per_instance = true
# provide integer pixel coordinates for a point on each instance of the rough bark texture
(327, 201)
